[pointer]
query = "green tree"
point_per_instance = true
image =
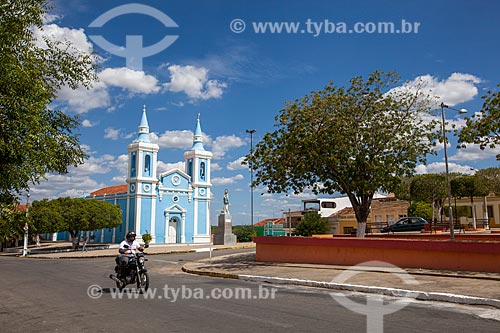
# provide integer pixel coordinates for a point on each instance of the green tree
(12, 222)
(75, 215)
(469, 187)
(244, 233)
(421, 209)
(311, 224)
(355, 140)
(429, 188)
(483, 128)
(402, 190)
(490, 178)
(35, 139)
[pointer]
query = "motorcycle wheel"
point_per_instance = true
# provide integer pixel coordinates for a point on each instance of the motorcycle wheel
(143, 281)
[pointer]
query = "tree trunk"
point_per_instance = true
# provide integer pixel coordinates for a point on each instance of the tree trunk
(361, 206)
(74, 239)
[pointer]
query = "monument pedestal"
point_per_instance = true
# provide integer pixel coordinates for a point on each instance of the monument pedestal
(224, 233)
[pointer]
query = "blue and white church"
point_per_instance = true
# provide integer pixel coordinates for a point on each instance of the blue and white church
(174, 206)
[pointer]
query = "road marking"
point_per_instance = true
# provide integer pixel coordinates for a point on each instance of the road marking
(166, 261)
(240, 315)
(203, 249)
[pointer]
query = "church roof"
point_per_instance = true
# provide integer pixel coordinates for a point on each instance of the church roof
(198, 137)
(110, 190)
(143, 133)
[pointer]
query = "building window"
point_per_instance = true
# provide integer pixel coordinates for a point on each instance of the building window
(390, 218)
(328, 205)
(147, 164)
(190, 168)
(378, 218)
(202, 171)
(348, 230)
(132, 165)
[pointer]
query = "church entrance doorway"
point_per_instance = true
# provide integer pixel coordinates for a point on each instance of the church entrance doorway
(174, 231)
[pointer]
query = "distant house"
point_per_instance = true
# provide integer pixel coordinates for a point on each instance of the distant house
(340, 214)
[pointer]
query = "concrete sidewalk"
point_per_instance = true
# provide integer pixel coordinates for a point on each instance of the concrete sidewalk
(470, 288)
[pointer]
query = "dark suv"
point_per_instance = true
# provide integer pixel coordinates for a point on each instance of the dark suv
(406, 224)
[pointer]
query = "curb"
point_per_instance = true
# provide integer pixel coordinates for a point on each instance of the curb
(409, 294)
(105, 255)
(89, 256)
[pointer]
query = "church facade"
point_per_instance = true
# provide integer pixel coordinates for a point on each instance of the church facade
(173, 207)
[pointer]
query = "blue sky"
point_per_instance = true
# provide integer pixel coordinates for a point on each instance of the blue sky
(239, 81)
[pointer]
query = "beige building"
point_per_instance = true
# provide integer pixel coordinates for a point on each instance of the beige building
(491, 213)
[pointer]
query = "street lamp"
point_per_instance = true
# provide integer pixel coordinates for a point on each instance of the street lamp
(25, 228)
(251, 132)
(448, 185)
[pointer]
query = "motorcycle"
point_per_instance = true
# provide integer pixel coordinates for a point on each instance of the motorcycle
(135, 272)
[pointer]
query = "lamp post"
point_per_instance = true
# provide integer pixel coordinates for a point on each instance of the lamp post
(448, 185)
(251, 132)
(25, 228)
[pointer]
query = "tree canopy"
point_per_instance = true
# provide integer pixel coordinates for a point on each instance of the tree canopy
(311, 224)
(483, 128)
(355, 140)
(490, 177)
(74, 215)
(35, 139)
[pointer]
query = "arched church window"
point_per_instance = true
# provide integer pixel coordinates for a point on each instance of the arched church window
(132, 165)
(147, 163)
(202, 170)
(190, 167)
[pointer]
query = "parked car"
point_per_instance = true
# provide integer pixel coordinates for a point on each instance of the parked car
(406, 224)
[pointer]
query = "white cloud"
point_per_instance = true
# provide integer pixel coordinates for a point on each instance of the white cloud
(173, 139)
(439, 167)
(220, 181)
(457, 88)
(164, 167)
(131, 80)
(215, 167)
(55, 33)
(194, 82)
(236, 165)
(223, 143)
(473, 153)
(82, 100)
(111, 133)
(88, 123)
(57, 186)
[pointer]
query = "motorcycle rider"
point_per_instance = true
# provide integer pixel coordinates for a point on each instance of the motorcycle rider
(127, 249)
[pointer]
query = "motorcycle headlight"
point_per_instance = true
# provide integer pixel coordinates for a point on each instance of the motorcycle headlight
(141, 260)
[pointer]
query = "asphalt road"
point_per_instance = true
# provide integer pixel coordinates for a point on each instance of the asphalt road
(52, 295)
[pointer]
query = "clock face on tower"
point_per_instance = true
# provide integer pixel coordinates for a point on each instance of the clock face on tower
(176, 180)
(202, 191)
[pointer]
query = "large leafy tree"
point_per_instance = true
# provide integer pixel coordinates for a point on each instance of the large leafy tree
(483, 128)
(74, 215)
(355, 140)
(35, 139)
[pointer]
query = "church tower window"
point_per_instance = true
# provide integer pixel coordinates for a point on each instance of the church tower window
(132, 165)
(202, 171)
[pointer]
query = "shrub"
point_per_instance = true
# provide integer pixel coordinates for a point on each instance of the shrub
(311, 224)
(244, 233)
